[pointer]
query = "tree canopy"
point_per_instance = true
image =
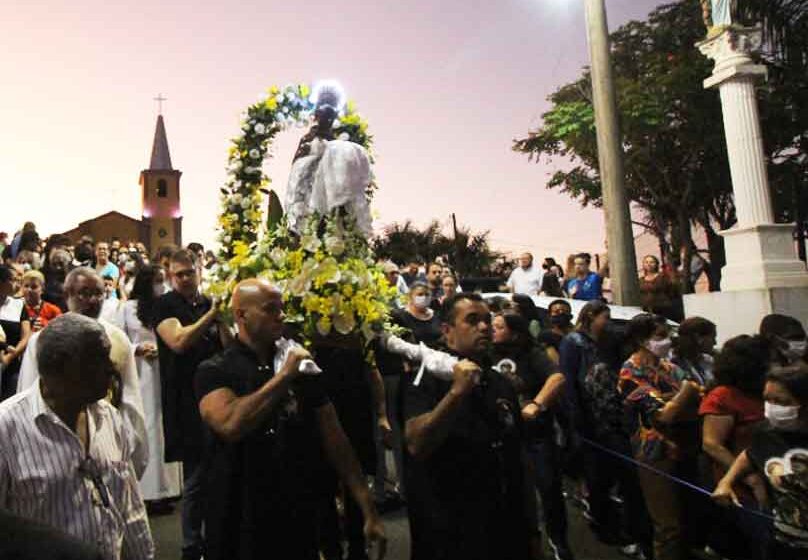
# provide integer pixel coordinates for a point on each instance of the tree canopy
(676, 166)
(468, 253)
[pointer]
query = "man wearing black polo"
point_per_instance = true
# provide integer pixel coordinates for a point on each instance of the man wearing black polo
(275, 438)
(188, 333)
(464, 439)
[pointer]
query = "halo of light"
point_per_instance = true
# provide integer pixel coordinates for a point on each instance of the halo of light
(332, 87)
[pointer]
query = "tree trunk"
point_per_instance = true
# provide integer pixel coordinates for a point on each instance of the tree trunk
(718, 257)
(685, 236)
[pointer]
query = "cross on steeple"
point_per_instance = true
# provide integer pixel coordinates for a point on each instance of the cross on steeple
(160, 100)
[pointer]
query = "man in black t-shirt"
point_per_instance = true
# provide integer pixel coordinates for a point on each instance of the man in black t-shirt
(188, 333)
(464, 438)
(274, 435)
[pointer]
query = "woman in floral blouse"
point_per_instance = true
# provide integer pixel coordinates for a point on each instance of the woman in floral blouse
(662, 406)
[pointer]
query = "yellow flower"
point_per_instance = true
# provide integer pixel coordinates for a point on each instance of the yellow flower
(304, 91)
(271, 103)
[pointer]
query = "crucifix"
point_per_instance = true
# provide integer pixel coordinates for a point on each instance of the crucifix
(160, 100)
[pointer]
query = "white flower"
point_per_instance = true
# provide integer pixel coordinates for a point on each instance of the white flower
(246, 203)
(260, 128)
(236, 199)
(344, 323)
(310, 243)
(277, 256)
(336, 124)
(344, 137)
(227, 239)
(279, 98)
(255, 154)
(334, 245)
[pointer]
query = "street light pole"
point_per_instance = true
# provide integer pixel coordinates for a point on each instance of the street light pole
(621, 254)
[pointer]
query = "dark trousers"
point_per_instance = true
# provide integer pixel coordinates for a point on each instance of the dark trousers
(194, 472)
(603, 472)
(779, 551)
(331, 533)
(546, 459)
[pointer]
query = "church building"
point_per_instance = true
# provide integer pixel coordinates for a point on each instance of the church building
(161, 215)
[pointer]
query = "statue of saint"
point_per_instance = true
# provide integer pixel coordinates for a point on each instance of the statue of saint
(328, 173)
(717, 13)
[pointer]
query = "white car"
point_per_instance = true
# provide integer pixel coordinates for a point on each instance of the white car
(620, 313)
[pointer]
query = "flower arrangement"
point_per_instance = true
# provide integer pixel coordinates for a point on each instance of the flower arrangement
(246, 185)
(327, 275)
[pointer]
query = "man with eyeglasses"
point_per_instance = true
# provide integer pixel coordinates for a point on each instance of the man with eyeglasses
(188, 333)
(65, 461)
(84, 292)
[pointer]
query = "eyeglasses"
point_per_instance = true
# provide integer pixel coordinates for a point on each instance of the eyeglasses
(89, 293)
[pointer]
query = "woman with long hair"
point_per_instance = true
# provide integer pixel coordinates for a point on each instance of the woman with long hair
(658, 291)
(597, 411)
(539, 385)
(160, 481)
(731, 413)
(693, 349)
(662, 402)
(779, 455)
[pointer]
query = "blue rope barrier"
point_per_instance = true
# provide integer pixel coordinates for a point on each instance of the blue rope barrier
(681, 481)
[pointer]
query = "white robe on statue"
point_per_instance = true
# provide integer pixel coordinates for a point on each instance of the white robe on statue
(334, 174)
(160, 480)
(122, 354)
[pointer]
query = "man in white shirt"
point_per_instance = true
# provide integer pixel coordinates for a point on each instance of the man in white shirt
(84, 292)
(526, 279)
(65, 459)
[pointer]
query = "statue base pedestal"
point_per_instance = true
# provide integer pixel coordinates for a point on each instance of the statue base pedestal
(762, 257)
(763, 276)
(740, 312)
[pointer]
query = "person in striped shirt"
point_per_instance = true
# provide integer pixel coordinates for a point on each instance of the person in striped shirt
(65, 458)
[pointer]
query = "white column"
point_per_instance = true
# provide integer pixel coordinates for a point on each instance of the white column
(745, 149)
(760, 253)
(735, 75)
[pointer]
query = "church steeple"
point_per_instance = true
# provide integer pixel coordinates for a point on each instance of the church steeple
(160, 184)
(160, 156)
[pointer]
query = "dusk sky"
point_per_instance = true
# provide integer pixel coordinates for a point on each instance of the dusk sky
(445, 85)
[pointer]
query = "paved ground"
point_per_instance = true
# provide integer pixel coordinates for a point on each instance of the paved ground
(167, 536)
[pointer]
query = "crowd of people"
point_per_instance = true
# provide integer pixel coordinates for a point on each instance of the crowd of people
(124, 389)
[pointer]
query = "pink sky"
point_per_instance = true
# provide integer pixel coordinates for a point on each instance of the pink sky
(445, 85)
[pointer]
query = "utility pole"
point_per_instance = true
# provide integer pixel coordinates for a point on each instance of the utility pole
(622, 258)
(458, 249)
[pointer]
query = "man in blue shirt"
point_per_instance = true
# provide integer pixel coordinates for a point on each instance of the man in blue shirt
(584, 284)
(106, 268)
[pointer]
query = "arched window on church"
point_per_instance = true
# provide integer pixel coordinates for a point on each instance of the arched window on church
(162, 188)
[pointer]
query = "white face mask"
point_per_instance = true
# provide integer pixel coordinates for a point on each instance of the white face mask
(159, 289)
(421, 302)
(781, 416)
(659, 348)
(796, 349)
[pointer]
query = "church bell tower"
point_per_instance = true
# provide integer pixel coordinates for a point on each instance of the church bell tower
(160, 184)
